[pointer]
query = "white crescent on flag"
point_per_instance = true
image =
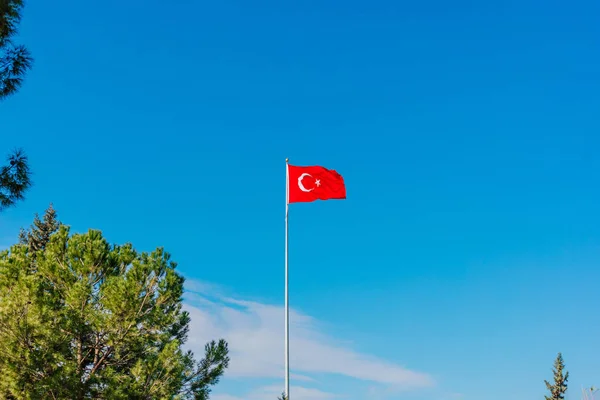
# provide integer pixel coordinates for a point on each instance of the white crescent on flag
(301, 186)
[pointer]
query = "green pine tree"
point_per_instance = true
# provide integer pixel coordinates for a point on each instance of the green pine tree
(559, 387)
(15, 179)
(40, 231)
(90, 320)
(15, 60)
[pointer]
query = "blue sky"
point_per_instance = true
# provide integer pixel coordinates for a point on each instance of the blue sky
(466, 255)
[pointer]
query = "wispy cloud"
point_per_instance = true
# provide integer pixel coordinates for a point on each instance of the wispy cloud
(254, 332)
(272, 392)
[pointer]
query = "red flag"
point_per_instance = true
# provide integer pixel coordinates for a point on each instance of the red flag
(306, 184)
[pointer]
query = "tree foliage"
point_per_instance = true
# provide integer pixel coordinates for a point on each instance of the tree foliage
(38, 235)
(559, 387)
(15, 179)
(83, 319)
(15, 60)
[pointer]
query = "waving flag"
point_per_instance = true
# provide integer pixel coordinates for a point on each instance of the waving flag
(306, 184)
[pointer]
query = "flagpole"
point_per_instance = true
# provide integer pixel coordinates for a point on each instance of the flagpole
(287, 312)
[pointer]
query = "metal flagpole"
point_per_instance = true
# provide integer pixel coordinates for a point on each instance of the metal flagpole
(287, 313)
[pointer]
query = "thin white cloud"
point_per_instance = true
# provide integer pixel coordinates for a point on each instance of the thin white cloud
(254, 332)
(299, 393)
(224, 397)
(273, 392)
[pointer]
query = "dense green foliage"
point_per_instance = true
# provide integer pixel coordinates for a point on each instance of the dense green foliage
(15, 179)
(559, 387)
(15, 60)
(82, 319)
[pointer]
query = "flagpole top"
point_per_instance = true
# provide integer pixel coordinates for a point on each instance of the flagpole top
(287, 160)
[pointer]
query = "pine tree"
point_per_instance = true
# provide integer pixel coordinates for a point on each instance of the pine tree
(15, 60)
(559, 388)
(85, 319)
(15, 179)
(39, 233)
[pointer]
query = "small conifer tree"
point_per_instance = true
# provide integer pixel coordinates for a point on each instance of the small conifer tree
(40, 231)
(559, 387)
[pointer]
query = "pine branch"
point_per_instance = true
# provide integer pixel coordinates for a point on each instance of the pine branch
(10, 16)
(15, 60)
(14, 64)
(15, 179)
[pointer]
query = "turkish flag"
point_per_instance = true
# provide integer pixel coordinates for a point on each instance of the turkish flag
(306, 184)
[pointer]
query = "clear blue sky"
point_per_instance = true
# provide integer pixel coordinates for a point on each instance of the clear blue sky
(467, 133)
